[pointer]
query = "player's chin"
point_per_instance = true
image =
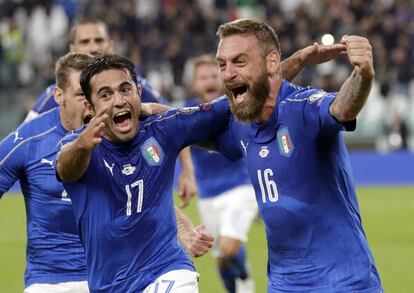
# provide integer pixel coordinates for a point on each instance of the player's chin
(125, 133)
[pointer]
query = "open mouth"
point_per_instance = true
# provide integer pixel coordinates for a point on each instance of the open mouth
(239, 93)
(87, 119)
(211, 90)
(122, 121)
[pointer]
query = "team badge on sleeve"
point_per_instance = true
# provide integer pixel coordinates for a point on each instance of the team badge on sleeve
(152, 152)
(188, 110)
(317, 97)
(285, 143)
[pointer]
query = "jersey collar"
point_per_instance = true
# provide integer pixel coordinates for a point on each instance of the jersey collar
(265, 132)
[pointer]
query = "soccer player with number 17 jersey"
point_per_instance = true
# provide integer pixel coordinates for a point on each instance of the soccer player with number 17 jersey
(120, 175)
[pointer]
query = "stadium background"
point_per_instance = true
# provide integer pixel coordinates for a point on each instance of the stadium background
(161, 36)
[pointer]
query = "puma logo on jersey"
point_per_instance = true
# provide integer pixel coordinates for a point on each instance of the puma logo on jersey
(128, 170)
(110, 168)
(244, 146)
(17, 137)
(46, 161)
(264, 152)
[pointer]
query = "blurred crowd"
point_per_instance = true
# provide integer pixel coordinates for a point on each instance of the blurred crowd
(160, 36)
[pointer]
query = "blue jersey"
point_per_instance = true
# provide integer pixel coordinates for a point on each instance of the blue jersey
(299, 167)
(215, 174)
(123, 203)
(47, 100)
(54, 252)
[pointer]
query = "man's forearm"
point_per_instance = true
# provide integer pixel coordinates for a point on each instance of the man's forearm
(184, 224)
(292, 66)
(73, 162)
(186, 161)
(351, 97)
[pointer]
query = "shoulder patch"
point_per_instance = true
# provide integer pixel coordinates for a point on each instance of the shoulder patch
(188, 110)
(152, 152)
(316, 97)
(285, 143)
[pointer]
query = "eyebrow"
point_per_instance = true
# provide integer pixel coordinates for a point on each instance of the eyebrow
(104, 88)
(233, 58)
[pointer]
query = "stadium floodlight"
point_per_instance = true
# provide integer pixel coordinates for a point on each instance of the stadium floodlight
(327, 39)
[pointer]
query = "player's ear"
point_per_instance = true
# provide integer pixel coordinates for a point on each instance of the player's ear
(89, 107)
(58, 95)
(139, 90)
(272, 62)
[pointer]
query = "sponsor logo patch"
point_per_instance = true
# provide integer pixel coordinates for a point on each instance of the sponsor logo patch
(128, 169)
(264, 152)
(188, 110)
(152, 152)
(317, 97)
(286, 146)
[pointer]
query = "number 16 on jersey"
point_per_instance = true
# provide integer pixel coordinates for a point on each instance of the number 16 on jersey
(267, 185)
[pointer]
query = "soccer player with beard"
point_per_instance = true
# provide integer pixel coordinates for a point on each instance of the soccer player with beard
(92, 36)
(55, 256)
(226, 202)
(290, 138)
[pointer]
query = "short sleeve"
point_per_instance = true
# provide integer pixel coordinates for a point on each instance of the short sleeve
(226, 143)
(12, 161)
(312, 106)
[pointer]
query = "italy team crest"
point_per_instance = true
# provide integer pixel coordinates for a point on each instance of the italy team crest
(152, 152)
(285, 142)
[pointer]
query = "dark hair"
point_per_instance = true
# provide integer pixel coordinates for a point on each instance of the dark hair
(264, 33)
(66, 64)
(100, 63)
(85, 21)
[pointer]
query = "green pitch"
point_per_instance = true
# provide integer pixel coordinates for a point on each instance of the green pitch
(388, 217)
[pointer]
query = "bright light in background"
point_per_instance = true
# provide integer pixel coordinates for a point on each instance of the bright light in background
(327, 39)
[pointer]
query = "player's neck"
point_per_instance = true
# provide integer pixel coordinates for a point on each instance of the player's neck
(271, 100)
(67, 123)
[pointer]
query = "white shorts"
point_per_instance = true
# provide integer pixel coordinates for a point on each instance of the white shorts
(229, 214)
(177, 281)
(65, 287)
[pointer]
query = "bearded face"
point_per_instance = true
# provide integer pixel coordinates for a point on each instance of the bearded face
(248, 97)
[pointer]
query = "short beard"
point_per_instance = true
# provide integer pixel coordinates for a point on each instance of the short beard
(250, 109)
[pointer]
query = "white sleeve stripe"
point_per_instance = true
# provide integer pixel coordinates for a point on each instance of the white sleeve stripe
(24, 141)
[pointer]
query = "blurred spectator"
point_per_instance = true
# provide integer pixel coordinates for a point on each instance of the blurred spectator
(161, 35)
(12, 55)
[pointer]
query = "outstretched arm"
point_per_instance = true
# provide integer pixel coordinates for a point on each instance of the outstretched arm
(74, 157)
(187, 186)
(314, 54)
(354, 92)
(195, 240)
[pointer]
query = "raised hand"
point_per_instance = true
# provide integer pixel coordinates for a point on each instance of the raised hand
(360, 54)
(316, 53)
(92, 135)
